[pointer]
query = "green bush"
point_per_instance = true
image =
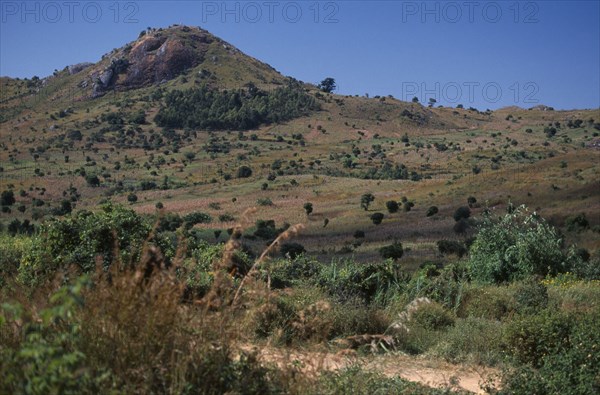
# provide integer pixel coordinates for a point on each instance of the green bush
(346, 279)
(446, 247)
(559, 355)
(530, 338)
(463, 212)
(531, 296)
(432, 316)
(80, 238)
(12, 250)
(516, 246)
(393, 251)
(487, 302)
(472, 340)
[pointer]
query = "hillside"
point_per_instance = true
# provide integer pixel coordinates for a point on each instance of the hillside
(99, 120)
(184, 209)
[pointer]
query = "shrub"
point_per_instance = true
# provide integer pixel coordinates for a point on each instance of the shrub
(577, 223)
(487, 302)
(377, 218)
(531, 296)
(515, 247)
(264, 202)
(292, 249)
(471, 201)
(366, 200)
(132, 198)
(392, 251)
(462, 212)
(431, 211)
(80, 238)
(244, 172)
(446, 247)
(472, 340)
(346, 279)
(432, 316)
(461, 226)
(196, 217)
(308, 207)
(392, 206)
(7, 198)
(359, 234)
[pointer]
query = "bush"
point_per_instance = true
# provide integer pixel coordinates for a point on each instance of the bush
(431, 211)
(79, 239)
(463, 212)
(472, 340)
(377, 218)
(487, 302)
(447, 247)
(531, 296)
(577, 223)
(292, 249)
(244, 172)
(432, 316)
(346, 279)
(392, 206)
(392, 251)
(7, 198)
(515, 247)
(530, 338)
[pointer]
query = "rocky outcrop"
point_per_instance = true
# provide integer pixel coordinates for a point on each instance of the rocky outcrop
(155, 57)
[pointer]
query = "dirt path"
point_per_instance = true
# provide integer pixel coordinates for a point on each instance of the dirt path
(433, 373)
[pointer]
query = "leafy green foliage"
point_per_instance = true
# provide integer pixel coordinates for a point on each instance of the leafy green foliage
(208, 109)
(79, 239)
(515, 247)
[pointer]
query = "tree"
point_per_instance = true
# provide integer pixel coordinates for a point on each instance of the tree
(415, 99)
(376, 218)
(432, 101)
(327, 85)
(462, 212)
(392, 251)
(365, 200)
(308, 207)
(392, 206)
(7, 198)
(132, 198)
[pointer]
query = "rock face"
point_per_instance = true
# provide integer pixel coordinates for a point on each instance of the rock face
(154, 57)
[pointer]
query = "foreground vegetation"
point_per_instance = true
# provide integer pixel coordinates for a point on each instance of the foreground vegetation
(114, 302)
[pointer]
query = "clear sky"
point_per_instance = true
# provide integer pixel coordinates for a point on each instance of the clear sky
(485, 54)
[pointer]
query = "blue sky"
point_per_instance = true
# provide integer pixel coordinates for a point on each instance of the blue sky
(485, 54)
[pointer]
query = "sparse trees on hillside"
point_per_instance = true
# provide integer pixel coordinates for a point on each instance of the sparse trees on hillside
(365, 200)
(327, 85)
